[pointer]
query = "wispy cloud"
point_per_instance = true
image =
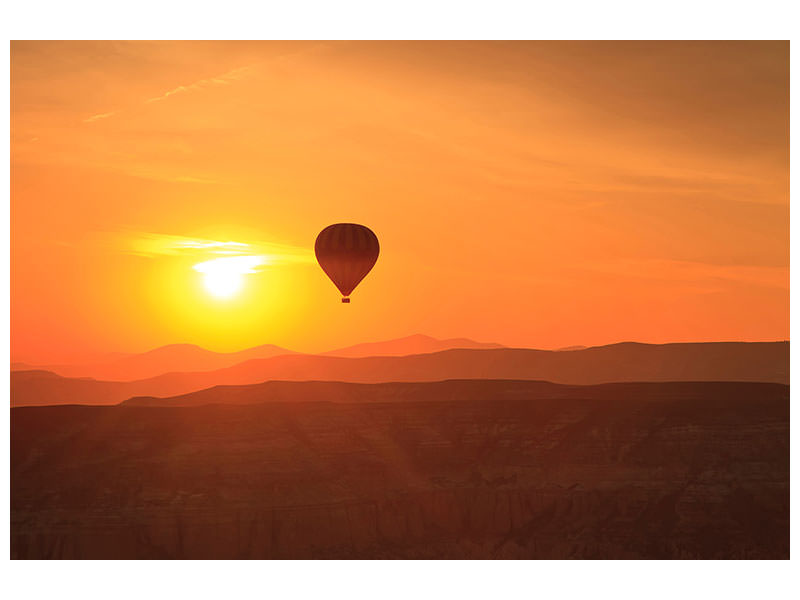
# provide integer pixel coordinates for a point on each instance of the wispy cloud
(696, 271)
(94, 118)
(224, 79)
(158, 244)
(159, 175)
(189, 179)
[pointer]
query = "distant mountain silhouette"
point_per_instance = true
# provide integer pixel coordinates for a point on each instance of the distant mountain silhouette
(166, 359)
(412, 344)
(37, 388)
(715, 361)
(190, 358)
(464, 390)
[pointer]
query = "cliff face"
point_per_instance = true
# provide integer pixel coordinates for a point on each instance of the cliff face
(672, 475)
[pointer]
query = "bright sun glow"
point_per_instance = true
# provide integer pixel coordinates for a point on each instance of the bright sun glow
(224, 277)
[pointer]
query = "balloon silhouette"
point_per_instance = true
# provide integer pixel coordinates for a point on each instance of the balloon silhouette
(346, 252)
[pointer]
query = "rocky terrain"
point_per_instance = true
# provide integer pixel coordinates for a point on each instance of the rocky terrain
(634, 471)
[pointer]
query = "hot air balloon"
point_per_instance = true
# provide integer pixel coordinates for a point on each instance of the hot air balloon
(346, 252)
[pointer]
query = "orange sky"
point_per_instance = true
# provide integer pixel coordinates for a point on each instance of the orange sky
(536, 194)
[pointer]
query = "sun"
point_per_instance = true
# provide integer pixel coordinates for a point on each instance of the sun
(222, 284)
(224, 277)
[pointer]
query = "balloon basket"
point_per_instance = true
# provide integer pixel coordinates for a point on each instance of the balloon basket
(345, 300)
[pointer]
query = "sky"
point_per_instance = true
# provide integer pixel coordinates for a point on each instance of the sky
(534, 194)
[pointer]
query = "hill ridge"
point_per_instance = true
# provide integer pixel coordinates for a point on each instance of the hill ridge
(722, 361)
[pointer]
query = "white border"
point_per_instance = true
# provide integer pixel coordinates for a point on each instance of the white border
(393, 19)
(150, 19)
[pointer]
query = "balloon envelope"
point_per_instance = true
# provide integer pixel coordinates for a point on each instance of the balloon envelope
(346, 252)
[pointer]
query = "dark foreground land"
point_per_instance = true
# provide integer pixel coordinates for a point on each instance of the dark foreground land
(480, 469)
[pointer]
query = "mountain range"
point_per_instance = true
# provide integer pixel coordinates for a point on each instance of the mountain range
(175, 358)
(453, 390)
(412, 344)
(713, 361)
(166, 359)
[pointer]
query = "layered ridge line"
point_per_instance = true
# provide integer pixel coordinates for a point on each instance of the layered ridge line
(714, 361)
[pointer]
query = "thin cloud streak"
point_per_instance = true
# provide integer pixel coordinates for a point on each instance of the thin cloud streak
(94, 118)
(151, 245)
(224, 79)
(695, 271)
